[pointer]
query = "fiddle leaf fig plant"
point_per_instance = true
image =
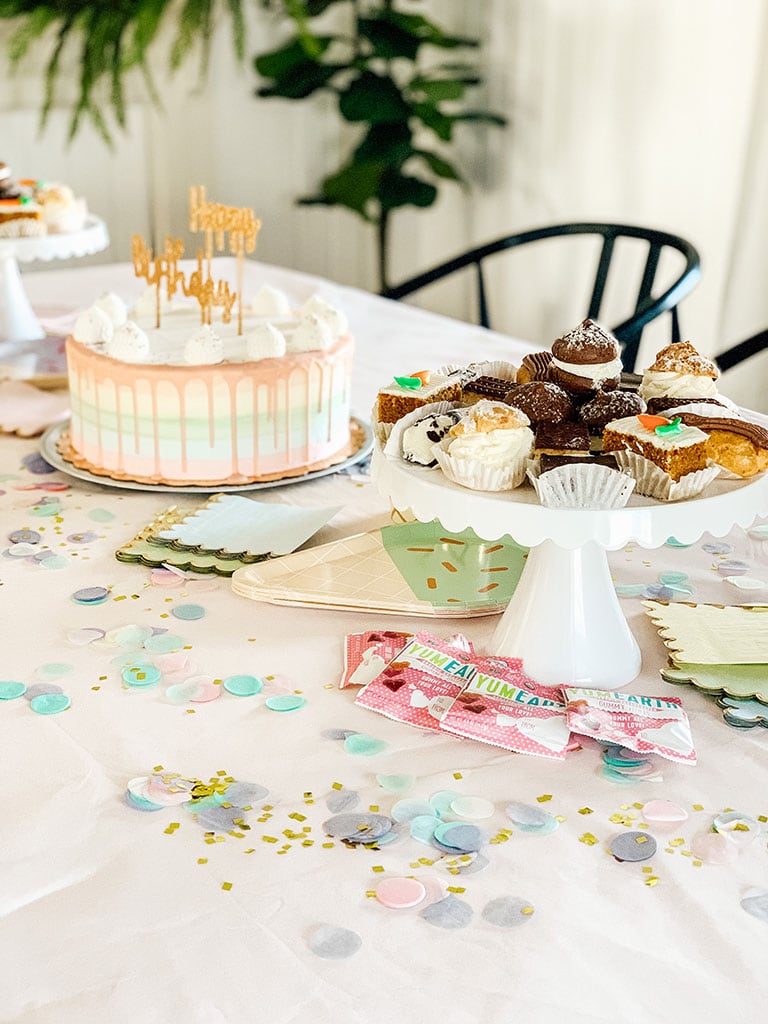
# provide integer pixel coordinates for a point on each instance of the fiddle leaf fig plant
(381, 69)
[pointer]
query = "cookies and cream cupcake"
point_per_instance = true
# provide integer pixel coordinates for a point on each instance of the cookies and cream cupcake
(585, 359)
(487, 450)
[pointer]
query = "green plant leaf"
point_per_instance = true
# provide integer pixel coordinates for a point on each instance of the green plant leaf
(438, 89)
(388, 143)
(283, 61)
(389, 40)
(238, 27)
(429, 115)
(302, 81)
(480, 115)
(438, 165)
(354, 186)
(428, 31)
(373, 98)
(397, 189)
(28, 31)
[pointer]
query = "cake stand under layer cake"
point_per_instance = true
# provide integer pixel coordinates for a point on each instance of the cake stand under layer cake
(564, 618)
(18, 322)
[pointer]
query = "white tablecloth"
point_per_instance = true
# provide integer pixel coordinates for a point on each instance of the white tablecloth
(113, 915)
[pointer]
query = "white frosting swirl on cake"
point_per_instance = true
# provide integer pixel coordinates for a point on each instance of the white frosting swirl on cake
(146, 304)
(596, 372)
(669, 384)
(114, 307)
(334, 317)
(204, 347)
(265, 341)
(93, 326)
(495, 449)
(311, 334)
(269, 301)
(129, 343)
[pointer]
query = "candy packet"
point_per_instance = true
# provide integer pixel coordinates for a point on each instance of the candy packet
(648, 725)
(367, 654)
(502, 706)
(421, 682)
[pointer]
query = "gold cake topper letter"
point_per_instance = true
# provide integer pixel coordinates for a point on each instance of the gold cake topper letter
(223, 226)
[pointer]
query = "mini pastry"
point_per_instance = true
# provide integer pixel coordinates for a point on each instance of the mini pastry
(585, 359)
(541, 402)
(563, 439)
(410, 392)
(661, 406)
(420, 438)
(488, 448)
(734, 443)
(495, 388)
(535, 366)
(675, 448)
(610, 405)
(679, 371)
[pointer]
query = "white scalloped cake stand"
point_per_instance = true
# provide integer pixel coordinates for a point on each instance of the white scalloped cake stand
(17, 319)
(564, 619)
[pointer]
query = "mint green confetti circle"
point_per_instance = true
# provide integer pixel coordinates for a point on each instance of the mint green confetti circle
(101, 515)
(396, 783)
(50, 703)
(46, 510)
(9, 689)
(163, 643)
(673, 542)
(138, 674)
(243, 685)
(53, 670)
(286, 702)
(360, 743)
(54, 562)
(188, 612)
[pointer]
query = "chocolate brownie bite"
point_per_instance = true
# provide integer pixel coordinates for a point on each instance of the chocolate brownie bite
(586, 359)
(485, 386)
(610, 405)
(567, 439)
(542, 402)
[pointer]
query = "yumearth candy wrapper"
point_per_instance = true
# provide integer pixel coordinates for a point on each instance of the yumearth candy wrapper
(367, 654)
(502, 706)
(649, 725)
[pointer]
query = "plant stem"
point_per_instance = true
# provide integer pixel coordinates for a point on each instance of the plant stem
(382, 248)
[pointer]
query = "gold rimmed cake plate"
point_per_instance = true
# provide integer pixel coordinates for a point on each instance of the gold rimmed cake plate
(360, 432)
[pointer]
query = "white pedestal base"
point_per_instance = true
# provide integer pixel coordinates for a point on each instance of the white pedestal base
(17, 320)
(565, 621)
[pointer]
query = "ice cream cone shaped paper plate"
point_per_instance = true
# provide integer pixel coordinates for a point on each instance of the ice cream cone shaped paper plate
(411, 569)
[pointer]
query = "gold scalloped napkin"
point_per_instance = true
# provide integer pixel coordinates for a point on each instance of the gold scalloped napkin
(712, 634)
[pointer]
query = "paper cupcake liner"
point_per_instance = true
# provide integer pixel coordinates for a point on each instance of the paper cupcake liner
(655, 483)
(394, 445)
(494, 368)
(469, 473)
(581, 486)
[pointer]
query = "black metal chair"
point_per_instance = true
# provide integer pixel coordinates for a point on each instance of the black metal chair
(647, 307)
(738, 353)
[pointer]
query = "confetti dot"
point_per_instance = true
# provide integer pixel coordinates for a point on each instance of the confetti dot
(342, 800)
(732, 567)
(54, 562)
(90, 595)
(217, 818)
(746, 582)
(82, 538)
(163, 643)
(716, 547)
(756, 904)
(40, 688)
(422, 827)
(35, 463)
(671, 578)
(188, 612)
(396, 783)
(442, 800)
(530, 818)
(400, 893)
(362, 827)
(475, 808)
(53, 670)
(407, 810)
(450, 912)
(714, 848)
(50, 703)
(337, 734)
(24, 537)
(101, 515)
(9, 689)
(166, 578)
(361, 743)
(287, 702)
(507, 911)
(458, 836)
(673, 542)
(664, 812)
(333, 943)
(140, 674)
(45, 510)
(633, 846)
(243, 685)
(739, 828)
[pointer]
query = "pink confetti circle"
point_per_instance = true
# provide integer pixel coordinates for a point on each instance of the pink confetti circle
(400, 893)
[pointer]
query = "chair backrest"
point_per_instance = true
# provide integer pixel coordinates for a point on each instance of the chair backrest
(738, 353)
(647, 306)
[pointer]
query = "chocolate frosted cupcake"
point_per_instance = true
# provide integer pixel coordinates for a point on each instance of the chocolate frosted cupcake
(541, 402)
(610, 405)
(585, 359)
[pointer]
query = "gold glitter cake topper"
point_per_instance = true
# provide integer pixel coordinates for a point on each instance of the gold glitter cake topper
(230, 227)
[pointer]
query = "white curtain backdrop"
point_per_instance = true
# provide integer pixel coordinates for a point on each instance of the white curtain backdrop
(652, 112)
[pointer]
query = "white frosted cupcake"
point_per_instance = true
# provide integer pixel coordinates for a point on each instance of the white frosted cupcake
(488, 449)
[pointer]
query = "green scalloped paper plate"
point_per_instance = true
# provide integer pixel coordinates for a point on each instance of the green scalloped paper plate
(742, 682)
(413, 569)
